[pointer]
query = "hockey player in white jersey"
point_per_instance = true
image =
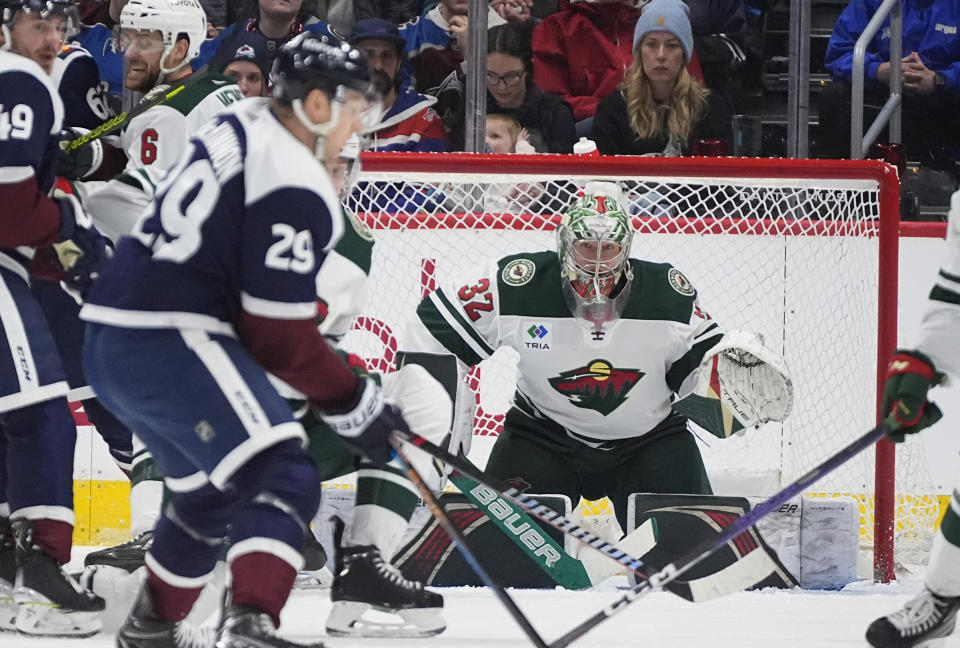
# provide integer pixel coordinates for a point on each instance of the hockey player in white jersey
(187, 368)
(158, 38)
(606, 343)
(365, 583)
(933, 358)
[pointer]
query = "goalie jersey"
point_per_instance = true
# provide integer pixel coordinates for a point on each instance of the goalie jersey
(617, 387)
(248, 217)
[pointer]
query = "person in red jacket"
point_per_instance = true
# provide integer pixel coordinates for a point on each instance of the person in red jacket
(582, 52)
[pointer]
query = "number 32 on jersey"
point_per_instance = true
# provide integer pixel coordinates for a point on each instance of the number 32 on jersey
(476, 299)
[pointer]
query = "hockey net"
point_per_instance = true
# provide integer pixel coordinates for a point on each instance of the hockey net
(799, 251)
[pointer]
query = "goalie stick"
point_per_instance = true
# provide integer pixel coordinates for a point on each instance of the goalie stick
(674, 569)
(454, 532)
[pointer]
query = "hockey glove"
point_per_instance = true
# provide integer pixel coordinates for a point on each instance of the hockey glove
(81, 250)
(366, 426)
(910, 375)
(82, 162)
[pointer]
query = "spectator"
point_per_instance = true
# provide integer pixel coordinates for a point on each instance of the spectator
(577, 53)
(931, 75)
(511, 90)
(98, 20)
(514, 12)
(409, 123)
(275, 23)
(339, 14)
(502, 133)
(436, 42)
(396, 11)
(660, 107)
(582, 52)
(250, 67)
(719, 38)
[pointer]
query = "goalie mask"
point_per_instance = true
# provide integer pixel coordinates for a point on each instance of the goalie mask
(593, 243)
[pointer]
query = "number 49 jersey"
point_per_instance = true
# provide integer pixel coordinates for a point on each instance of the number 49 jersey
(616, 387)
(243, 220)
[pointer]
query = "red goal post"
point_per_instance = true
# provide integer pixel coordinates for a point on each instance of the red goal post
(790, 230)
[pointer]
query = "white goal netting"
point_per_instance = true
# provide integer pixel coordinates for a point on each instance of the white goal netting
(787, 248)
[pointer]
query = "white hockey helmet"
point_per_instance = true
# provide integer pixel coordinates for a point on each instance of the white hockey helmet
(171, 18)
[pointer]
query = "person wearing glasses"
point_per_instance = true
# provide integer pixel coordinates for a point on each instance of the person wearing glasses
(660, 108)
(511, 91)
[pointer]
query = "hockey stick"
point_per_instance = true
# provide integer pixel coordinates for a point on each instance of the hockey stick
(562, 568)
(120, 120)
(454, 532)
(673, 570)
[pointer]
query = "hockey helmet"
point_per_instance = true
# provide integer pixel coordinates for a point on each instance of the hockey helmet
(43, 8)
(313, 61)
(173, 19)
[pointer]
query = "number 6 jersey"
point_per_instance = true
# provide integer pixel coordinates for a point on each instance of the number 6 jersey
(242, 221)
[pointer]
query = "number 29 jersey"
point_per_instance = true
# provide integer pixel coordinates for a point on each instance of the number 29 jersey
(243, 220)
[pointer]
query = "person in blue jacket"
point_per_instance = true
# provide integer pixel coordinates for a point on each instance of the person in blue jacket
(931, 75)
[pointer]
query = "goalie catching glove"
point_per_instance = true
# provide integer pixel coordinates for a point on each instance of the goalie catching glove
(910, 375)
(366, 426)
(753, 381)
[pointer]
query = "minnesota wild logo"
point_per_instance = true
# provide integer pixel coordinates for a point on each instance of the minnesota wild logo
(597, 386)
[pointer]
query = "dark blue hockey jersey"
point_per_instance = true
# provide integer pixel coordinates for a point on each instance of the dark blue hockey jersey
(84, 95)
(31, 114)
(242, 221)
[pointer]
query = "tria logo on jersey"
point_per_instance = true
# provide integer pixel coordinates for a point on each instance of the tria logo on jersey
(538, 337)
(597, 386)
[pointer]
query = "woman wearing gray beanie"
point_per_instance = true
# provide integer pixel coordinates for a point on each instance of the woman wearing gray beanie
(659, 107)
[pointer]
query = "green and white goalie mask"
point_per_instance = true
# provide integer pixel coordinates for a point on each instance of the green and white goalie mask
(593, 243)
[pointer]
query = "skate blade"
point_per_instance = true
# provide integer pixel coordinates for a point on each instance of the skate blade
(310, 580)
(354, 619)
(8, 612)
(38, 620)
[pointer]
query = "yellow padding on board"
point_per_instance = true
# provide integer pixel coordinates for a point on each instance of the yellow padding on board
(103, 511)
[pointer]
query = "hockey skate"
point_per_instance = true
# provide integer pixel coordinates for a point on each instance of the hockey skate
(50, 603)
(8, 577)
(921, 622)
(364, 581)
(314, 574)
(128, 556)
(142, 629)
(246, 627)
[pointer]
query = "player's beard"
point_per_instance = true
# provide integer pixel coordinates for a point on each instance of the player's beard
(141, 80)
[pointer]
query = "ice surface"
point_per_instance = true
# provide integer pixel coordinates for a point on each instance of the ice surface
(766, 619)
